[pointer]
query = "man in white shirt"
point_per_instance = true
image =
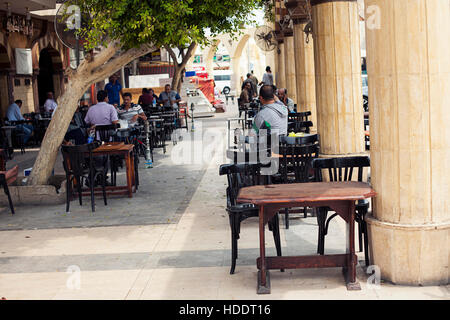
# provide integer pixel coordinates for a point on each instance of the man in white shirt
(50, 104)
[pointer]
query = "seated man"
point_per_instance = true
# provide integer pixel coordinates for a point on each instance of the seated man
(246, 97)
(145, 99)
(169, 98)
(76, 130)
(130, 111)
(13, 114)
(50, 104)
(101, 113)
(288, 102)
(273, 114)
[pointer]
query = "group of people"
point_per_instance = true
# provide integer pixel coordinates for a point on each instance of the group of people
(107, 111)
(275, 103)
(13, 114)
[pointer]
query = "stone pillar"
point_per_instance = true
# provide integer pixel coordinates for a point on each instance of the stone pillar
(289, 66)
(337, 59)
(304, 65)
(280, 79)
(408, 65)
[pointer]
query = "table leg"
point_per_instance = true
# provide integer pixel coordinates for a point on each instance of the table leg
(129, 177)
(263, 274)
(133, 171)
(350, 270)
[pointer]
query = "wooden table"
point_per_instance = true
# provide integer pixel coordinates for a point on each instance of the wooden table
(119, 148)
(339, 196)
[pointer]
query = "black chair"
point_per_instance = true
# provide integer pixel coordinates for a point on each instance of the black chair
(105, 133)
(298, 122)
(7, 177)
(79, 164)
(239, 176)
(295, 167)
(342, 169)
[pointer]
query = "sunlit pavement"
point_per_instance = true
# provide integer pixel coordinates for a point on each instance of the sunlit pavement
(170, 241)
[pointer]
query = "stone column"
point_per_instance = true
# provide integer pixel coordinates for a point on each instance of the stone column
(304, 65)
(408, 65)
(289, 66)
(337, 59)
(280, 79)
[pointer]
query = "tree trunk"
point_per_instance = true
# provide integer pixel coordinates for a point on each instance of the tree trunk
(180, 67)
(91, 70)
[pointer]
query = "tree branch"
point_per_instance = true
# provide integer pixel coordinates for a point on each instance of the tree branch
(116, 63)
(171, 53)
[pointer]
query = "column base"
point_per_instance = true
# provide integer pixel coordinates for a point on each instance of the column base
(410, 254)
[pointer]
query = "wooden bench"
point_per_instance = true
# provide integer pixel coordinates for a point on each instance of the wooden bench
(6, 178)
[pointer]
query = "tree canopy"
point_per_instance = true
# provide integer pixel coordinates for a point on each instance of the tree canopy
(162, 22)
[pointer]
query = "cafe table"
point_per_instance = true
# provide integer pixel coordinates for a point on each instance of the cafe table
(126, 150)
(339, 196)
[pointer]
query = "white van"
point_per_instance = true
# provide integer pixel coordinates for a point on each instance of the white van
(222, 78)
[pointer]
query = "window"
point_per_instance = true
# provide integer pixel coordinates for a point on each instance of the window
(225, 77)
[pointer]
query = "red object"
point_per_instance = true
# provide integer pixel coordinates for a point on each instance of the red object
(207, 87)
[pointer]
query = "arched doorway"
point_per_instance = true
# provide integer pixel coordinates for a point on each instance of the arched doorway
(5, 85)
(50, 66)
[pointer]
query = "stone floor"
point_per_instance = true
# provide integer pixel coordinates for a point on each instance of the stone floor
(170, 241)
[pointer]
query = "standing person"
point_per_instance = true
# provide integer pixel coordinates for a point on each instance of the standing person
(255, 81)
(288, 102)
(101, 113)
(169, 97)
(130, 111)
(267, 77)
(114, 90)
(13, 114)
(50, 104)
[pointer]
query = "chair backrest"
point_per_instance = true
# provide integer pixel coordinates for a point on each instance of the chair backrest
(74, 157)
(310, 139)
(239, 176)
(105, 133)
(295, 162)
(341, 169)
(299, 116)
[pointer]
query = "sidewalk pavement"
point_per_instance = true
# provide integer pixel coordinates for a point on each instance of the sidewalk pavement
(148, 257)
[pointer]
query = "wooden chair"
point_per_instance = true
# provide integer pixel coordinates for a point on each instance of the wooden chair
(296, 167)
(342, 169)
(79, 164)
(6, 178)
(239, 176)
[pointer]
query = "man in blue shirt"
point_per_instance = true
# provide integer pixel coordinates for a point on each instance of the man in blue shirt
(13, 114)
(169, 97)
(114, 90)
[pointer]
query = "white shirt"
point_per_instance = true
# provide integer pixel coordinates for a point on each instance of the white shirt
(50, 105)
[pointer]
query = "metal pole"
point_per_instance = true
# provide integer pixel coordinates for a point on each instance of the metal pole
(148, 156)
